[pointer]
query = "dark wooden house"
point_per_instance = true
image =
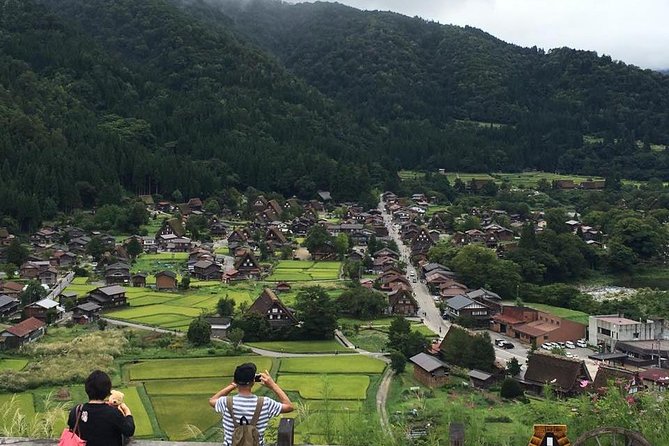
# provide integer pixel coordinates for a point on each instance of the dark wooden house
(271, 308)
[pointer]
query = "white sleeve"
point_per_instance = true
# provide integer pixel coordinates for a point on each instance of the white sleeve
(273, 407)
(221, 405)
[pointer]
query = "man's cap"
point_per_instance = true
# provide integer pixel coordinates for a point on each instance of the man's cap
(245, 373)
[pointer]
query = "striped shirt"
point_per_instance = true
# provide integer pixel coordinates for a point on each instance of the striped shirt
(246, 406)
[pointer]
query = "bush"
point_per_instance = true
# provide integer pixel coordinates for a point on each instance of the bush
(510, 389)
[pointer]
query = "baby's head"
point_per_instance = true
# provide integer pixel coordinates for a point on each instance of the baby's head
(116, 398)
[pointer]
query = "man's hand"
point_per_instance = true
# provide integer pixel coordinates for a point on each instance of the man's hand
(266, 379)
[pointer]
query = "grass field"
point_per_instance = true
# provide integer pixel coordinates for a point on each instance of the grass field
(13, 364)
(152, 263)
(186, 386)
(301, 346)
(332, 364)
(572, 315)
(319, 387)
(22, 401)
(80, 280)
(192, 368)
(298, 271)
(142, 422)
(175, 413)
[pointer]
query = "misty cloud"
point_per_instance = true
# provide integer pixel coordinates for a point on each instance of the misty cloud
(632, 31)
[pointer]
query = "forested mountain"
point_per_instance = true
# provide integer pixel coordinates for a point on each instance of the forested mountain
(420, 78)
(100, 96)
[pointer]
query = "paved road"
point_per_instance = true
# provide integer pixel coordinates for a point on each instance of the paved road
(141, 327)
(428, 310)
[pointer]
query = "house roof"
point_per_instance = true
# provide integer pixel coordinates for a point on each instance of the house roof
(109, 290)
(480, 375)
(14, 286)
(482, 292)
(26, 327)
(203, 264)
(460, 302)
(6, 300)
(605, 374)
(655, 375)
(266, 300)
(561, 371)
(536, 328)
(46, 303)
(171, 274)
(427, 362)
(88, 306)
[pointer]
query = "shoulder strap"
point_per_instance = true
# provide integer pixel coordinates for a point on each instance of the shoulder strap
(256, 414)
(228, 402)
(77, 413)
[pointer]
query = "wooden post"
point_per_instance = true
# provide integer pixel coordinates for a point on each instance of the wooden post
(286, 432)
(457, 434)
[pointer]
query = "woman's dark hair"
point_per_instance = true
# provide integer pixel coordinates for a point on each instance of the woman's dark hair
(98, 385)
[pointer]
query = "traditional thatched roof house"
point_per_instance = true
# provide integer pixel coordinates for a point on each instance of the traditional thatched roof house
(567, 376)
(271, 308)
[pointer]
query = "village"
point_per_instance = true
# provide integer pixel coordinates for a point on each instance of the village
(200, 253)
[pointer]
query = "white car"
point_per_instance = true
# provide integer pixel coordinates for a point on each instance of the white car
(546, 346)
(581, 343)
(569, 344)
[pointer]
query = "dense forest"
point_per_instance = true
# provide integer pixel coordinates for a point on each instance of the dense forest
(101, 98)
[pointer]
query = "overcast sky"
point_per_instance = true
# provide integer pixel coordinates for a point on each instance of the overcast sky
(634, 31)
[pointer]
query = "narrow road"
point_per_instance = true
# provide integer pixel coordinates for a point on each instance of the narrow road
(428, 311)
(382, 398)
(141, 327)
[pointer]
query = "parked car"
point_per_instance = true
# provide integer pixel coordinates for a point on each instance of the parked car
(499, 341)
(581, 343)
(546, 346)
(569, 344)
(507, 345)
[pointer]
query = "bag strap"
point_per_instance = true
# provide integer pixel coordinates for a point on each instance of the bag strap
(256, 414)
(77, 413)
(228, 402)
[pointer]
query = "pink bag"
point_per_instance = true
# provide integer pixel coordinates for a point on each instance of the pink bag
(71, 437)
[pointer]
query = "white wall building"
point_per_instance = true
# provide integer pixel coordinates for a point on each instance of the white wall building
(608, 329)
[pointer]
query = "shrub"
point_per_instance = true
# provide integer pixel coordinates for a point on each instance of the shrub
(510, 389)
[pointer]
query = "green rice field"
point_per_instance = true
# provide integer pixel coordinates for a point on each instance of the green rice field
(333, 364)
(300, 346)
(319, 386)
(299, 271)
(191, 368)
(12, 364)
(22, 401)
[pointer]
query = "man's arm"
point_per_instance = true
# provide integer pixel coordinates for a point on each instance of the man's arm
(223, 392)
(286, 404)
(128, 424)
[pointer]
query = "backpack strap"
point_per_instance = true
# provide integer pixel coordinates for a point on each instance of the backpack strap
(77, 413)
(228, 402)
(256, 414)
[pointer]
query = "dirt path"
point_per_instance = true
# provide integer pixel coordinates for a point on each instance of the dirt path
(382, 398)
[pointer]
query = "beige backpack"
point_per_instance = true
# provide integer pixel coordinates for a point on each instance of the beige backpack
(245, 433)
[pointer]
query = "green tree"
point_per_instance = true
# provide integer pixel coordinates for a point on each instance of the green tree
(644, 236)
(226, 306)
(16, 253)
(510, 389)
(254, 326)
(95, 248)
(528, 237)
(185, 282)
(621, 258)
(318, 313)
(482, 353)
(479, 267)
(33, 292)
(513, 367)
(10, 270)
(342, 245)
(199, 332)
(398, 362)
(211, 206)
(235, 336)
(134, 248)
(317, 238)
(102, 324)
(362, 303)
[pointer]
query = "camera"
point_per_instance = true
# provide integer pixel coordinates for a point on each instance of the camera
(257, 378)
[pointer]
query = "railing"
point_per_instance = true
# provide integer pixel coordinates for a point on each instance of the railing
(286, 437)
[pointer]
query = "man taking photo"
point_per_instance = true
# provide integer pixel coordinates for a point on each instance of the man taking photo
(245, 408)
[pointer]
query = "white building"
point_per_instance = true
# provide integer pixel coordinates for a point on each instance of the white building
(608, 329)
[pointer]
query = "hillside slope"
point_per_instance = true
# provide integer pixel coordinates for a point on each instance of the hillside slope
(100, 96)
(421, 78)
